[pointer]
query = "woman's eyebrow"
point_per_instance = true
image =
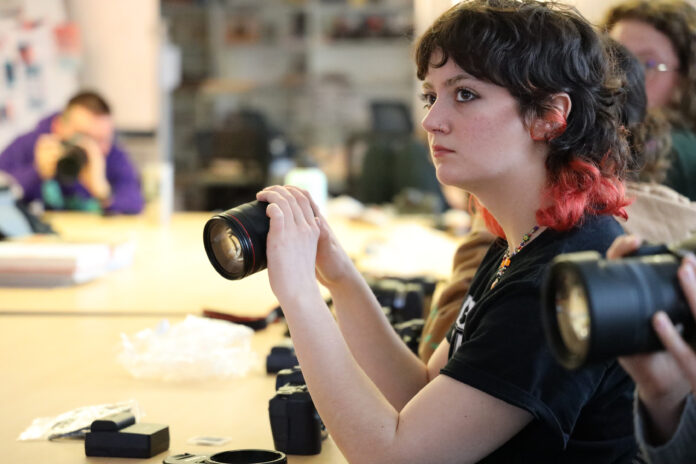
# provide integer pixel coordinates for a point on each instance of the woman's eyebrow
(449, 82)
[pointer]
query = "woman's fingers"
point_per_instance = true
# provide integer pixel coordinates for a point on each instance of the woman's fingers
(623, 245)
(274, 197)
(293, 202)
(678, 348)
(281, 197)
(687, 277)
(304, 201)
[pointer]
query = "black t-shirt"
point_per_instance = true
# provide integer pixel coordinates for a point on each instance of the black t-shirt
(498, 347)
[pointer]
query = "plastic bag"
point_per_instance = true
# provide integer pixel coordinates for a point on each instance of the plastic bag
(195, 349)
(74, 424)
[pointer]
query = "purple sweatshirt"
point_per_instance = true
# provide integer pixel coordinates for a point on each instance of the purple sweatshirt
(18, 161)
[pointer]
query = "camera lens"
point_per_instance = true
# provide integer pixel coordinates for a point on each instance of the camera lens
(235, 241)
(70, 163)
(594, 309)
(226, 246)
(573, 314)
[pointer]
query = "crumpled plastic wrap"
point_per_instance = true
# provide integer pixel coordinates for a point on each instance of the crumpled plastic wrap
(73, 424)
(192, 350)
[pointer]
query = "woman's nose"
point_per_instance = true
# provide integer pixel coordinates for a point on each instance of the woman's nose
(433, 121)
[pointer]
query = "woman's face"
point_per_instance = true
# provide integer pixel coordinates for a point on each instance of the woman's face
(475, 132)
(656, 52)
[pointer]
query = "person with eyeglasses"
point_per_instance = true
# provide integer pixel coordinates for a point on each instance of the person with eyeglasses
(661, 33)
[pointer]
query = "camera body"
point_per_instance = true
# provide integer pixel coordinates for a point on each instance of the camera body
(410, 333)
(292, 376)
(295, 423)
(281, 357)
(404, 301)
(70, 163)
(595, 309)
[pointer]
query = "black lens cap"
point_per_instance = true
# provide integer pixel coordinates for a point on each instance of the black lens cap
(248, 456)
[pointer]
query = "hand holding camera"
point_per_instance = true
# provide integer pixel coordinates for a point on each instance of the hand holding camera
(47, 151)
(93, 174)
(292, 242)
(664, 378)
(68, 161)
(638, 305)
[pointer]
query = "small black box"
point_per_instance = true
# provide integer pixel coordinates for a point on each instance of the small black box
(135, 441)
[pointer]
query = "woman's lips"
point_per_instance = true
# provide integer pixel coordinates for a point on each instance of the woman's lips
(439, 151)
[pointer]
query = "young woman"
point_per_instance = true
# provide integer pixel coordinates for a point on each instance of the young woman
(662, 34)
(520, 99)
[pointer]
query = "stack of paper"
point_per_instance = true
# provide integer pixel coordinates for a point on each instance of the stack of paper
(32, 263)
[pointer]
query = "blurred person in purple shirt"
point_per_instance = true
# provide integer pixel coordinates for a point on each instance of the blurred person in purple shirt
(105, 180)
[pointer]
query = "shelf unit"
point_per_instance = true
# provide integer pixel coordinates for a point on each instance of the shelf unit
(310, 67)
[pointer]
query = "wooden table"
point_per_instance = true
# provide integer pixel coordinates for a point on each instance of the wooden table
(53, 364)
(58, 346)
(170, 273)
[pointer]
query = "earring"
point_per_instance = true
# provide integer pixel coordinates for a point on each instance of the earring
(551, 126)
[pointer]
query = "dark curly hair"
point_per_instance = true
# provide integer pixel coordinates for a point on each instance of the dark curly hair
(536, 50)
(648, 131)
(677, 20)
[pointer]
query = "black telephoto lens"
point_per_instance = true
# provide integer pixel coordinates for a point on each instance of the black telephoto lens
(594, 309)
(235, 240)
(70, 163)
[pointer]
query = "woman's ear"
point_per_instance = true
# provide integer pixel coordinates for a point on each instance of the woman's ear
(553, 122)
(561, 103)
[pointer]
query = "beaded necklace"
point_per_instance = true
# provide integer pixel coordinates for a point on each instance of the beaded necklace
(505, 263)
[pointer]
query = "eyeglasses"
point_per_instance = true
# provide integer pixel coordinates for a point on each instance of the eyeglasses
(653, 65)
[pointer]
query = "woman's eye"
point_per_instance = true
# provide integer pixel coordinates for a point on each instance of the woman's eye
(428, 99)
(464, 95)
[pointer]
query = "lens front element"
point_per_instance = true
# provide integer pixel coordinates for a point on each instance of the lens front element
(226, 247)
(572, 313)
(235, 240)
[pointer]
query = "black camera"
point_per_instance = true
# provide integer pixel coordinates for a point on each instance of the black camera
(245, 456)
(402, 300)
(70, 163)
(291, 376)
(410, 333)
(595, 309)
(281, 357)
(235, 241)
(295, 423)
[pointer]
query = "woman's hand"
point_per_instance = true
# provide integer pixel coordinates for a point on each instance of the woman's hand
(333, 264)
(291, 246)
(664, 378)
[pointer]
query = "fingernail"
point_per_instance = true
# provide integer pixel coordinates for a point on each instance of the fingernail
(687, 271)
(661, 320)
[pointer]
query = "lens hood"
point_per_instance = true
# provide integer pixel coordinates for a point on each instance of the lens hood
(242, 456)
(248, 456)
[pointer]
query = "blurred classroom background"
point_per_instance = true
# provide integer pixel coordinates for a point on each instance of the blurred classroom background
(218, 98)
